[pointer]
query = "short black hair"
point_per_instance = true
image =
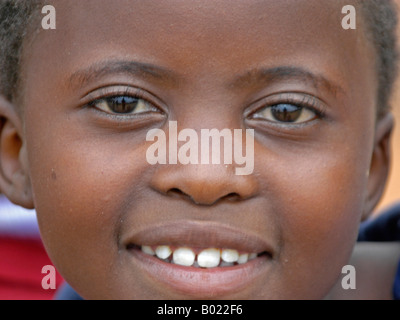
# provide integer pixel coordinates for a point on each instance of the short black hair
(15, 19)
(380, 17)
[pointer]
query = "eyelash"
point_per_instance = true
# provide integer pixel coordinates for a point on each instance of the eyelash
(306, 102)
(104, 94)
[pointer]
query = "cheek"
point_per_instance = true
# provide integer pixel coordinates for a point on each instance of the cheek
(325, 207)
(82, 188)
(318, 197)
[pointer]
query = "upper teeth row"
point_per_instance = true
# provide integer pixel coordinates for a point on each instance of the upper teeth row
(207, 258)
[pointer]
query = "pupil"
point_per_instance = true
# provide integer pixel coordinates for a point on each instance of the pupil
(286, 112)
(123, 104)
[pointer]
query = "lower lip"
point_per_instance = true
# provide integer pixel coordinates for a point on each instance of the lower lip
(199, 282)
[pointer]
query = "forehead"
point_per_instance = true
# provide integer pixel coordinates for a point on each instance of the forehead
(202, 37)
(224, 24)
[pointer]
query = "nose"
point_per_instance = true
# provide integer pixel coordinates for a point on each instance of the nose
(204, 184)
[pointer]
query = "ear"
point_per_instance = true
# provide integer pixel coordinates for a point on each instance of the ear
(380, 163)
(14, 173)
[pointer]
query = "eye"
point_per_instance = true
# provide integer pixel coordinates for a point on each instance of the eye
(285, 113)
(123, 105)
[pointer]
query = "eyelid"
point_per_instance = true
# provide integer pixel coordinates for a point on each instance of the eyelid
(122, 90)
(298, 99)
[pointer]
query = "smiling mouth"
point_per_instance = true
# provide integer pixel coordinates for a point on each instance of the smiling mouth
(201, 245)
(198, 258)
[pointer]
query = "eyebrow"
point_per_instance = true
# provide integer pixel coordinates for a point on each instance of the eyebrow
(280, 73)
(158, 73)
(113, 67)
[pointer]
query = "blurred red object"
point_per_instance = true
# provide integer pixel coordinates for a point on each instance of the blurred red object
(21, 263)
(22, 255)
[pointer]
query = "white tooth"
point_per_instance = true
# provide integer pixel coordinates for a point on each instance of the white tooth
(229, 255)
(252, 256)
(163, 252)
(209, 258)
(148, 250)
(243, 258)
(184, 257)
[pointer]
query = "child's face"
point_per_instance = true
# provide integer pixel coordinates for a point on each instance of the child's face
(207, 64)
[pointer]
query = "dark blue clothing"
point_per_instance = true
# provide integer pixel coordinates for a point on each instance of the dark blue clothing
(67, 293)
(386, 227)
(396, 286)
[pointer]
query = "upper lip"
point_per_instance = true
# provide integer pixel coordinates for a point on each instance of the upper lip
(198, 234)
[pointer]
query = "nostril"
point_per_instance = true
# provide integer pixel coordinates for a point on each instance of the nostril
(232, 197)
(175, 192)
(179, 194)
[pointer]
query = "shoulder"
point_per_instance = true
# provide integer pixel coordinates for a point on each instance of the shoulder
(376, 268)
(376, 259)
(376, 264)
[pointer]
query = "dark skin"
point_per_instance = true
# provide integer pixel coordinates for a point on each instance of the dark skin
(213, 65)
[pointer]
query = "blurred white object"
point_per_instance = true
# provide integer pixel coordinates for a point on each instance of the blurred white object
(16, 221)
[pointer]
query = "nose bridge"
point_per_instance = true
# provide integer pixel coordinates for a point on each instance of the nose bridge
(204, 165)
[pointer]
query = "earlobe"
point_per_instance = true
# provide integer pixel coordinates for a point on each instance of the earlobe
(380, 164)
(14, 174)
